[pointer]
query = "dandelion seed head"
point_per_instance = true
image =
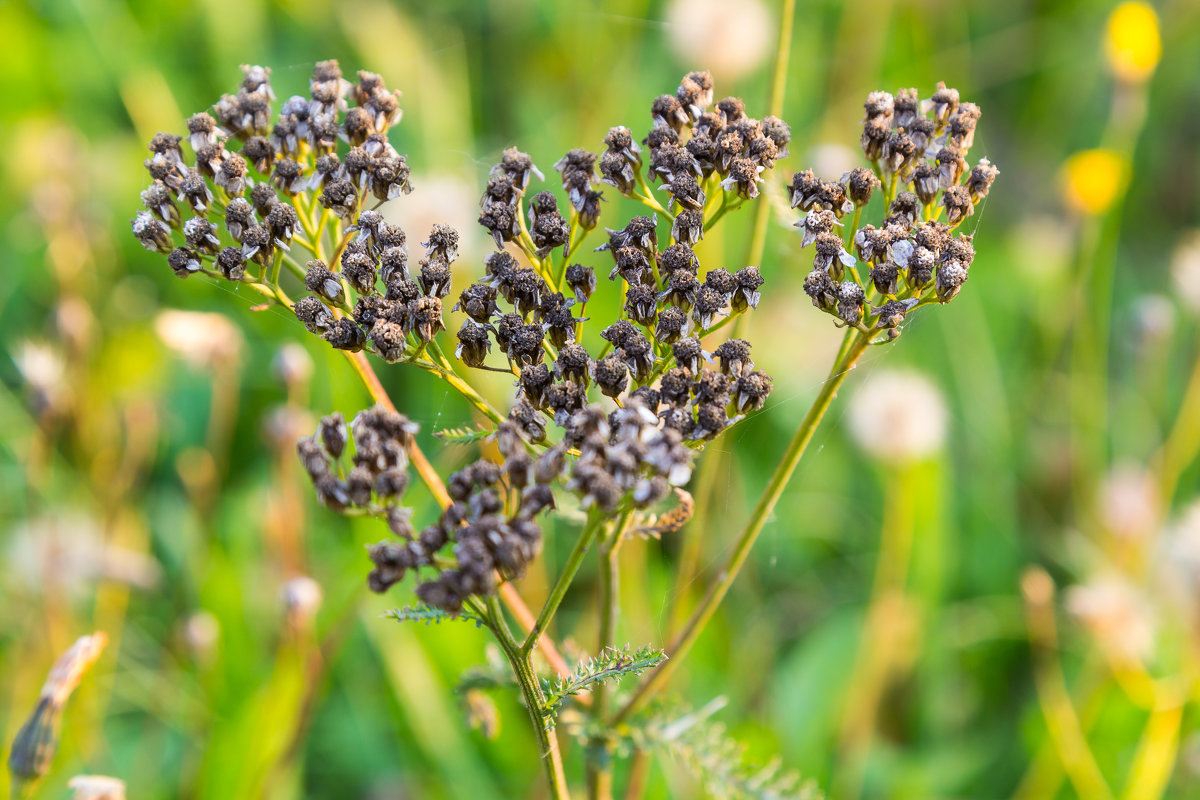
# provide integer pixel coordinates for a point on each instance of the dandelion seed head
(204, 340)
(1128, 502)
(1116, 613)
(898, 417)
(730, 39)
(1185, 270)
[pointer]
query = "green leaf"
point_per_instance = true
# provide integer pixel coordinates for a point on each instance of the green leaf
(692, 737)
(430, 616)
(611, 665)
(463, 435)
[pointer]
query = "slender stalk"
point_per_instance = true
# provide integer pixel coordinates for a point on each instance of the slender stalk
(762, 213)
(535, 701)
(1057, 708)
(852, 228)
(1157, 751)
(564, 581)
(1044, 776)
(646, 196)
(599, 767)
(599, 772)
(722, 211)
(610, 584)
(658, 677)
(880, 654)
(463, 388)
(516, 606)
(1182, 443)
(639, 769)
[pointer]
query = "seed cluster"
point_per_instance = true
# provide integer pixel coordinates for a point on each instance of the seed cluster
(378, 477)
(489, 528)
(691, 142)
(252, 186)
(654, 352)
(918, 155)
(616, 426)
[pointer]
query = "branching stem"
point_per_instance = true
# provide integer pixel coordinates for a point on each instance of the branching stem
(657, 679)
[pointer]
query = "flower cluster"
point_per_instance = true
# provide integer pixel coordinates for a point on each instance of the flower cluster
(697, 151)
(486, 544)
(378, 478)
(393, 313)
(618, 424)
(251, 186)
(918, 155)
(625, 454)
(489, 527)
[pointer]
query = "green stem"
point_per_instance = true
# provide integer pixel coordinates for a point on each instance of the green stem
(766, 504)
(294, 267)
(722, 211)
(599, 768)
(852, 228)
(610, 584)
(462, 387)
(646, 196)
(275, 267)
(564, 581)
(535, 700)
(762, 212)
(526, 244)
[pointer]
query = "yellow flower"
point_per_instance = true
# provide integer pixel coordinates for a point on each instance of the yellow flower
(1133, 44)
(1092, 180)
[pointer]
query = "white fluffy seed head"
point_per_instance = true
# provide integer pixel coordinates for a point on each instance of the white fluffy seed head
(301, 600)
(1128, 502)
(1185, 270)
(203, 339)
(96, 787)
(1116, 613)
(898, 417)
(730, 39)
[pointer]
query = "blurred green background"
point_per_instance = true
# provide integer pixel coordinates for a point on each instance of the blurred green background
(147, 483)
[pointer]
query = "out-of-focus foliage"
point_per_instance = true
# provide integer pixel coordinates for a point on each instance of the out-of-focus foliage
(149, 488)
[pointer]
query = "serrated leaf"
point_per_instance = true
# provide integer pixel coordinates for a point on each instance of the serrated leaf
(430, 616)
(612, 664)
(692, 737)
(463, 435)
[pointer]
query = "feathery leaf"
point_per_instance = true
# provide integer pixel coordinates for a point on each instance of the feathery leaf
(463, 435)
(612, 664)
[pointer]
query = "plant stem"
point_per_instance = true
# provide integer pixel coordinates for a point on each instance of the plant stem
(1057, 708)
(600, 751)
(762, 212)
(463, 388)
(564, 581)
(646, 195)
(610, 584)
(658, 677)
(852, 228)
(1181, 444)
(512, 598)
(535, 701)
(722, 211)
(437, 488)
(639, 767)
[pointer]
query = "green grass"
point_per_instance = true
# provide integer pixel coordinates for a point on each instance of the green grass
(133, 449)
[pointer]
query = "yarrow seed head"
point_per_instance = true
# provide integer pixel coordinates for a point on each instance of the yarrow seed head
(614, 426)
